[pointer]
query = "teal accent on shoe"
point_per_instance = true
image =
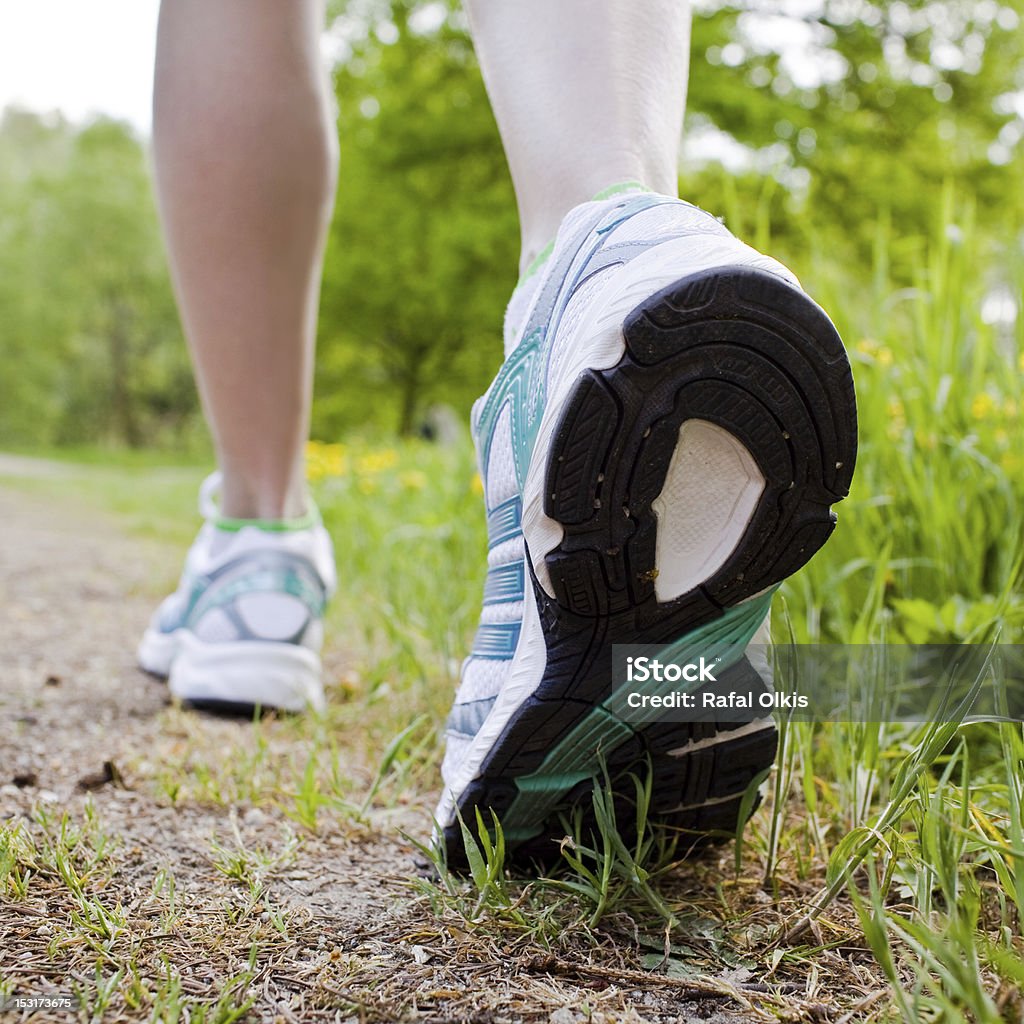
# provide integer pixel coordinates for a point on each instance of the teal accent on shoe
(261, 572)
(512, 387)
(522, 381)
(504, 583)
(573, 757)
(466, 719)
(504, 521)
(496, 641)
(282, 579)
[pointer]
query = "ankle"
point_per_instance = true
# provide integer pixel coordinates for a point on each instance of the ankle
(265, 500)
(539, 233)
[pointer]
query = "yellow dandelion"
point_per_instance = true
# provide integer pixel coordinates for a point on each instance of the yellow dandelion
(884, 356)
(867, 346)
(324, 460)
(335, 460)
(413, 479)
(378, 461)
(476, 485)
(983, 406)
(315, 469)
(897, 419)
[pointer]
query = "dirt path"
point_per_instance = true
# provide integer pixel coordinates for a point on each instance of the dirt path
(192, 887)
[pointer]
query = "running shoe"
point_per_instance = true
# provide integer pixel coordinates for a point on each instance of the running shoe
(661, 448)
(244, 628)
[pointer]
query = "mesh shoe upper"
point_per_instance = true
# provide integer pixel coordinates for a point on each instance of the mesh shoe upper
(251, 584)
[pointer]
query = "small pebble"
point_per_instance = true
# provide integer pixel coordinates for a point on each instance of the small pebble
(564, 1015)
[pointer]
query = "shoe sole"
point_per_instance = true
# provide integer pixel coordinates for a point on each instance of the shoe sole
(738, 349)
(235, 678)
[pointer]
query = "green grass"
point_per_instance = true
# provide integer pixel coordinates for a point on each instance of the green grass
(903, 842)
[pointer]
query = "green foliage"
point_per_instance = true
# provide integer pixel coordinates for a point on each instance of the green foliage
(86, 314)
(423, 248)
(606, 872)
(848, 156)
(910, 99)
(896, 101)
(939, 467)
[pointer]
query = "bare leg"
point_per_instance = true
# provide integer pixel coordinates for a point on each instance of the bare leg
(245, 166)
(587, 95)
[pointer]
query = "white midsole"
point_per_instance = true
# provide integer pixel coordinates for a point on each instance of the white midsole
(157, 650)
(605, 345)
(261, 673)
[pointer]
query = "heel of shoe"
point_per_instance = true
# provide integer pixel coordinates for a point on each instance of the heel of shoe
(247, 675)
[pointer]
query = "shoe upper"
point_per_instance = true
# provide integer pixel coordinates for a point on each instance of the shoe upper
(251, 583)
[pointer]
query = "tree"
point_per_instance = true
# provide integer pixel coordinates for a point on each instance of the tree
(902, 97)
(423, 247)
(86, 313)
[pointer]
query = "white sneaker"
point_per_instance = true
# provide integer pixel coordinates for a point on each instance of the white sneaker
(661, 448)
(245, 626)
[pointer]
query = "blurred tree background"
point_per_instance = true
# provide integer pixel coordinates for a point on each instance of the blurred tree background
(891, 106)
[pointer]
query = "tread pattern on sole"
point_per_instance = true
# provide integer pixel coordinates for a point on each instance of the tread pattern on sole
(744, 350)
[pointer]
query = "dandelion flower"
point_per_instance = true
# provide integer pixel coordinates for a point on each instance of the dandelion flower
(983, 406)
(413, 479)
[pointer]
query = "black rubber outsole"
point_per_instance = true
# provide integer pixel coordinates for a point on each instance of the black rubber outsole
(739, 348)
(235, 709)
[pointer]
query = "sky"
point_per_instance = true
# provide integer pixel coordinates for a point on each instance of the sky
(79, 56)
